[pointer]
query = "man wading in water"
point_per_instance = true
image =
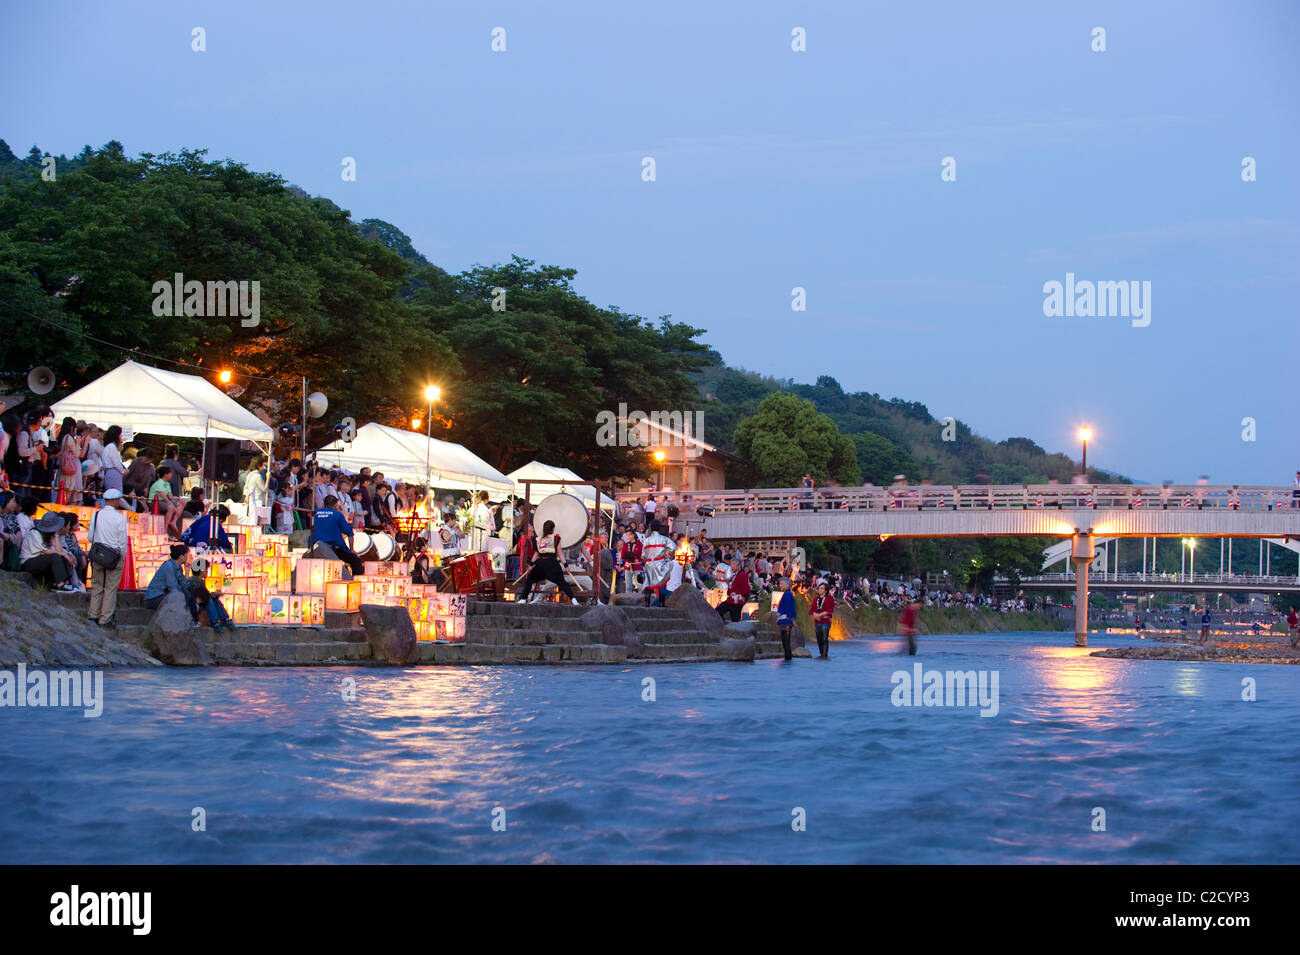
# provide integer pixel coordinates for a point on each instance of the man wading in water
(907, 623)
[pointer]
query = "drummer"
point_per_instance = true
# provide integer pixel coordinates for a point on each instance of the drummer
(330, 527)
(546, 567)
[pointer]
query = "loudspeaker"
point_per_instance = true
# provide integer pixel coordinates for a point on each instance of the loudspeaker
(221, 460)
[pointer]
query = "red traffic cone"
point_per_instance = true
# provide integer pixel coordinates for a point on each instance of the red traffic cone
(128, 570)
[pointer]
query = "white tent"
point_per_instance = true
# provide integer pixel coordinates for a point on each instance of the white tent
(548, 472)
(400, 455)
(152, 401)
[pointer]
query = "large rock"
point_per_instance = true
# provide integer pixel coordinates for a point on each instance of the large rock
(616, 628)
(175, 637)
(390, 633)
(692, 603)
(740, 649)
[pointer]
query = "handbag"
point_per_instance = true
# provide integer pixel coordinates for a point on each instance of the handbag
(101, 555)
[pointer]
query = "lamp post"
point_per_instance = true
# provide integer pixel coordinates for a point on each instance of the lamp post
(431, 394)
(659, 459)
(1084, 434)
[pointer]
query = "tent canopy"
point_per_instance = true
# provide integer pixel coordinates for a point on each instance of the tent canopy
(538, 471)
(401, 455)
(152, 401)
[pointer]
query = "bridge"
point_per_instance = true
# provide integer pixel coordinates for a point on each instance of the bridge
(1166, 583)
(1079, 512)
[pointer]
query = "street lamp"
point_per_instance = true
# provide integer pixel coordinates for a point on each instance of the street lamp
(1084, 434)
(1191, 546)
(225, 376)
(432, 393)
(659, 459)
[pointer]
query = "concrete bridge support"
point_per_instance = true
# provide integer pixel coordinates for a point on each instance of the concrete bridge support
(1082, 554)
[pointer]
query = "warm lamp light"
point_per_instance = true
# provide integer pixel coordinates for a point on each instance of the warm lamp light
(659, 457)
(432, 393)
(1085, 434)
(224, 377)
(416, 422)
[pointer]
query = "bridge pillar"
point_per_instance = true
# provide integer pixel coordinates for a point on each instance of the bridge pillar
(1082, 554)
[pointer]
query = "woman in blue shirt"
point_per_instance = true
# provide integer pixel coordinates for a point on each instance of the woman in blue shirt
(169, 578)
(786, 611)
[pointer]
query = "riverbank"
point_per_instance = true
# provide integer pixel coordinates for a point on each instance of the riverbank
(39, 631)
(869, 621)
(1232, 653)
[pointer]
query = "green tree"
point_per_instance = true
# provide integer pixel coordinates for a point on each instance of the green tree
(787, 438)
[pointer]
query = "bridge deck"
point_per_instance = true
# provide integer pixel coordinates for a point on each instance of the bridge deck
(1112, 510)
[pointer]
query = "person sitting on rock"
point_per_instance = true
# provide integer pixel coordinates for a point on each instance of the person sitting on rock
(207, 601)
(43, 557)
(170, 578)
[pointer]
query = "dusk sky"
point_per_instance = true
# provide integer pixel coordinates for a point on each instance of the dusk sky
(776, 169)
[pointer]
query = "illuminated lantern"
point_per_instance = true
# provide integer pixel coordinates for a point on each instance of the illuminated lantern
(343, 595)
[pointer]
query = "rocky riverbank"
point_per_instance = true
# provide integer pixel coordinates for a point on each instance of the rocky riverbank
(875, 621)
(40, 632)
(1233, 653)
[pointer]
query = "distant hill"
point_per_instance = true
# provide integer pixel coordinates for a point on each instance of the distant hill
(891, 436)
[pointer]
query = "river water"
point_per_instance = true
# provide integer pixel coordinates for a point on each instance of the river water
(573, 765)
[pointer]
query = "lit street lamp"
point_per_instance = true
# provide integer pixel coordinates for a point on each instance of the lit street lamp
(659, 459)
(431, 394)
(1084, 434)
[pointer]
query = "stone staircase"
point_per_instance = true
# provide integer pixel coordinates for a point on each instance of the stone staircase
(496, 633)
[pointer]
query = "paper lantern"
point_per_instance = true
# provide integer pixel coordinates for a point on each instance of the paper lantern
(343, 595)
(313, 610)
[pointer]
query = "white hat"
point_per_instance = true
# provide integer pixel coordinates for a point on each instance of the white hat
(112, 494)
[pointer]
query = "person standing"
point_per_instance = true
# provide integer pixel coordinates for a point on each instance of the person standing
(786, 615)
(657, 557)
(823, 613)
(907, 623)
(177, 472)
(1205, 625)
(484, 525)
(67, 474)
(1293, 624)
(738, 588)
(546, 567)
(111, 467)
(107, 527)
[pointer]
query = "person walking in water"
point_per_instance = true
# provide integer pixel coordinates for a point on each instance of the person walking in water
(823, 613)
(785, 616)
(907, 623)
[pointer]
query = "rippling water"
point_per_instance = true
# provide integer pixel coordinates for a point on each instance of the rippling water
(709, 772)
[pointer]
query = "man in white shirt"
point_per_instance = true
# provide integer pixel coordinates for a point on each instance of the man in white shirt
(107, 527)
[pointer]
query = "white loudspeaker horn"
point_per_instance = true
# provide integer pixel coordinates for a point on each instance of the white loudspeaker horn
(40, 380)
(317, 404)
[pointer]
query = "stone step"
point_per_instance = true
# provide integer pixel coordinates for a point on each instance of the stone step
(137, 633)
(681, 651)
(675, 637)
(510, 636)
(288, 654)
(475, 654)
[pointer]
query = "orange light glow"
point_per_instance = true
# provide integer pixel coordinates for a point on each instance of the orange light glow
(1085, 434)
(415, 423)
(225, 376)
(659, 457)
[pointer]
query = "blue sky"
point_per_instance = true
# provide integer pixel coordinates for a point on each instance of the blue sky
(777, 169)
